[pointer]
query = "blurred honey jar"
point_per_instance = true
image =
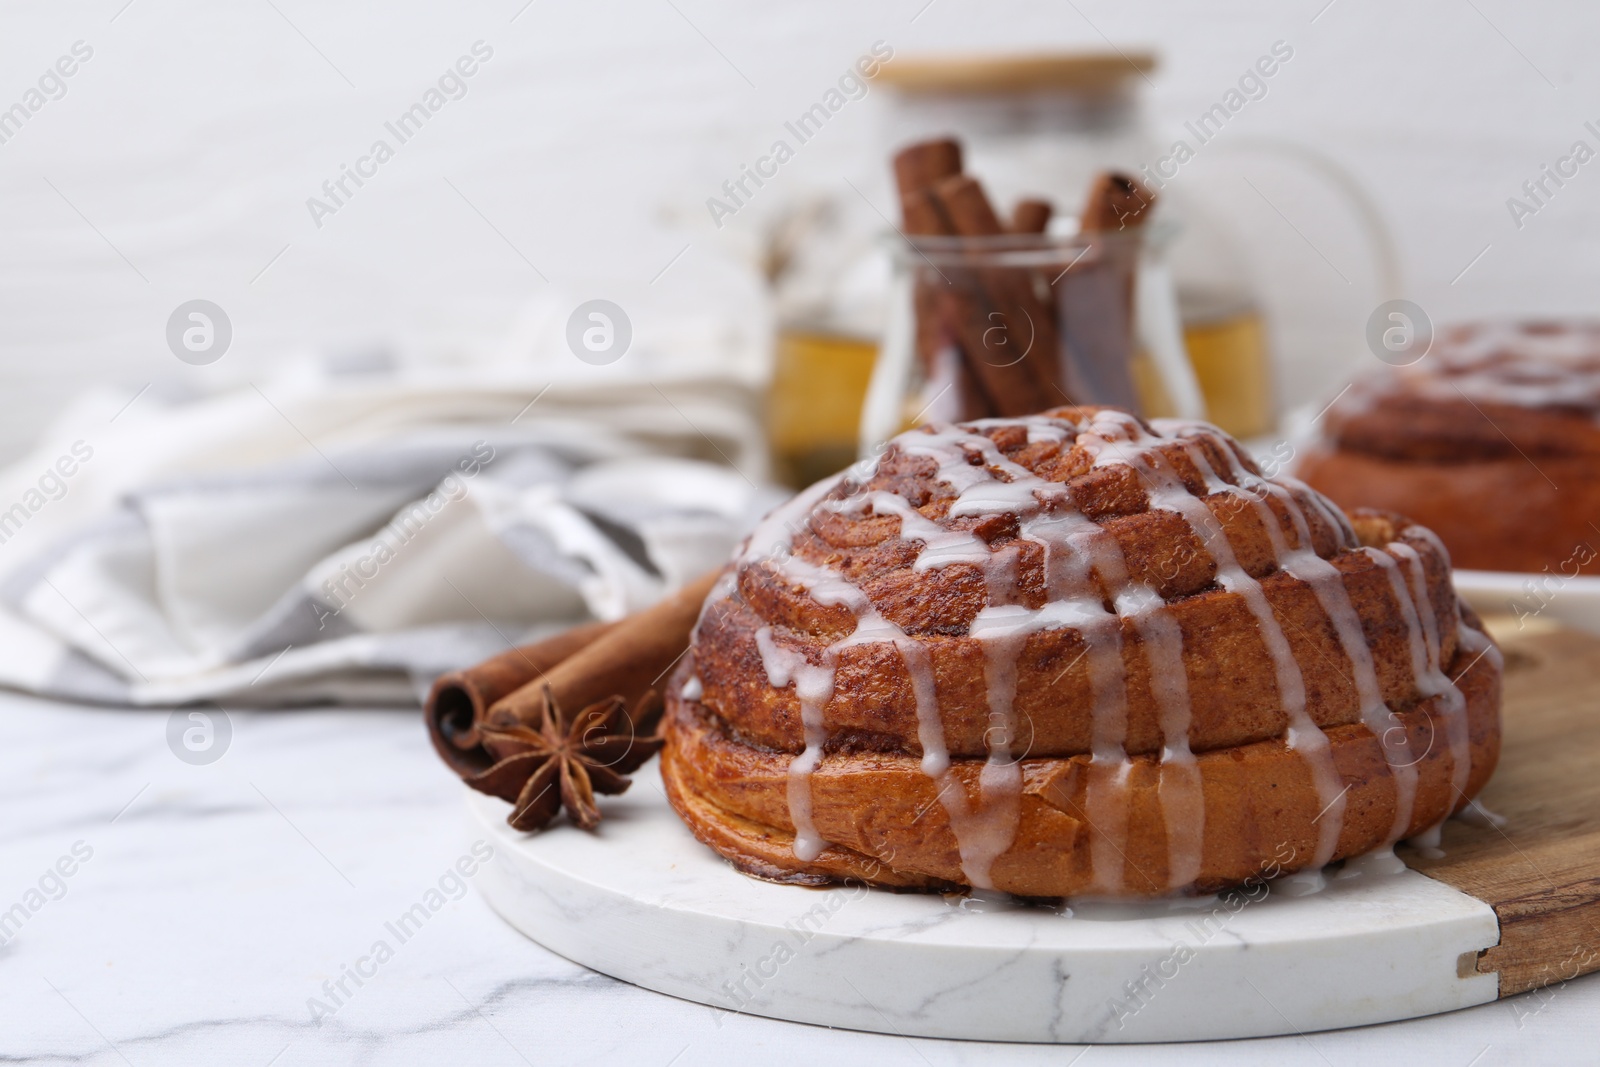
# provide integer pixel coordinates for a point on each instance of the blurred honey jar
(823, 263)
(819, 381)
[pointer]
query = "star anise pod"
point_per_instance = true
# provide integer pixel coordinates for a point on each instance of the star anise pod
(562, 762)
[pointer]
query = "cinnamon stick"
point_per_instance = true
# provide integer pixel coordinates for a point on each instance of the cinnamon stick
(1031, 215)
(917, 167)
(1022, 374)
(967, 206)
(1097, 301)
(1116, 202)
(943, 315)
(923, 215)
(459, 701)
(940, 314)
(937, 329)
(628, 661)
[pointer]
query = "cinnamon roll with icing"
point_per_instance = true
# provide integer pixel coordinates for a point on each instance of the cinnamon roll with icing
(1075, 653)
(1491, 440)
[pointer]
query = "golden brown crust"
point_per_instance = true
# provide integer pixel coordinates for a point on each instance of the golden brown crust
(1435, 427)
(886, 826)
(767, 852)
(1022, 593)
(1550, 527)
(1232, 701)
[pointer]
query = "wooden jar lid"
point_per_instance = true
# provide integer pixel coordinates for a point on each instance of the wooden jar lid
(1087, 72)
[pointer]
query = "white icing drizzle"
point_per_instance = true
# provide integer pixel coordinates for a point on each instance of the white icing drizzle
(981, 836)
(940, 546)
(1455, 705)
(1168, 492)
(1087, 590)
(772, 541)
(1377, 863)
(1534, 365)
(1475, 814)
(1508, 364)
(1181, 792)
(1327, 584)
(1428, 841)
(1422, 633)
(814, 682)
(1476, 643)
(984, 832)
(773, 536)
(1076, 551)
(813, 687)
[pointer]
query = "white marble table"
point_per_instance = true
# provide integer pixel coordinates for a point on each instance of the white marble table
(219, 898)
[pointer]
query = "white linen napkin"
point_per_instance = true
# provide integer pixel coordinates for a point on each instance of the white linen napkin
(325, 536)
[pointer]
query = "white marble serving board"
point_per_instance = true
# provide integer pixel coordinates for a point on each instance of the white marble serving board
(641, 900)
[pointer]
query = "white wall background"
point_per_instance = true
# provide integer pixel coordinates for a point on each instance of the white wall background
(178, 164)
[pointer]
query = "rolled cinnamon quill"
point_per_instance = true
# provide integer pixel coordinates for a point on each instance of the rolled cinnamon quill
(955, 312)
(1097, 296)
(1116, 201)
(919, 166)
(916, 168)
(459, 702)
(628, 660)
(1012, 340)
(1031, 216)
(943, 316)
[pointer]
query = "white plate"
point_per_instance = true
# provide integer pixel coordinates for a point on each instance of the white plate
(1551, 598)
(641, 900)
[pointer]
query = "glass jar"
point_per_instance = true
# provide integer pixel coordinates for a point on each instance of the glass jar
(1044, 126)
(1014, 324)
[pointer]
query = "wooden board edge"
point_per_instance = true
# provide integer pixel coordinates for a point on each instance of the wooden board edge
(1567, 941)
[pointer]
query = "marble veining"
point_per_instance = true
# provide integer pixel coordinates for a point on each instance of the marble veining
(204, 921)
(1379, 945)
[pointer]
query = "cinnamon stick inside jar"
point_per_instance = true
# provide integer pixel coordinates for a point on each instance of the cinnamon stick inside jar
(941, 316)
(1097, 296)
(919, 166)
(1031, 216)
(916, 169)
(1116, 201)
(459, 702)
(1011, 341)
(629, 660)
(985, 325)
